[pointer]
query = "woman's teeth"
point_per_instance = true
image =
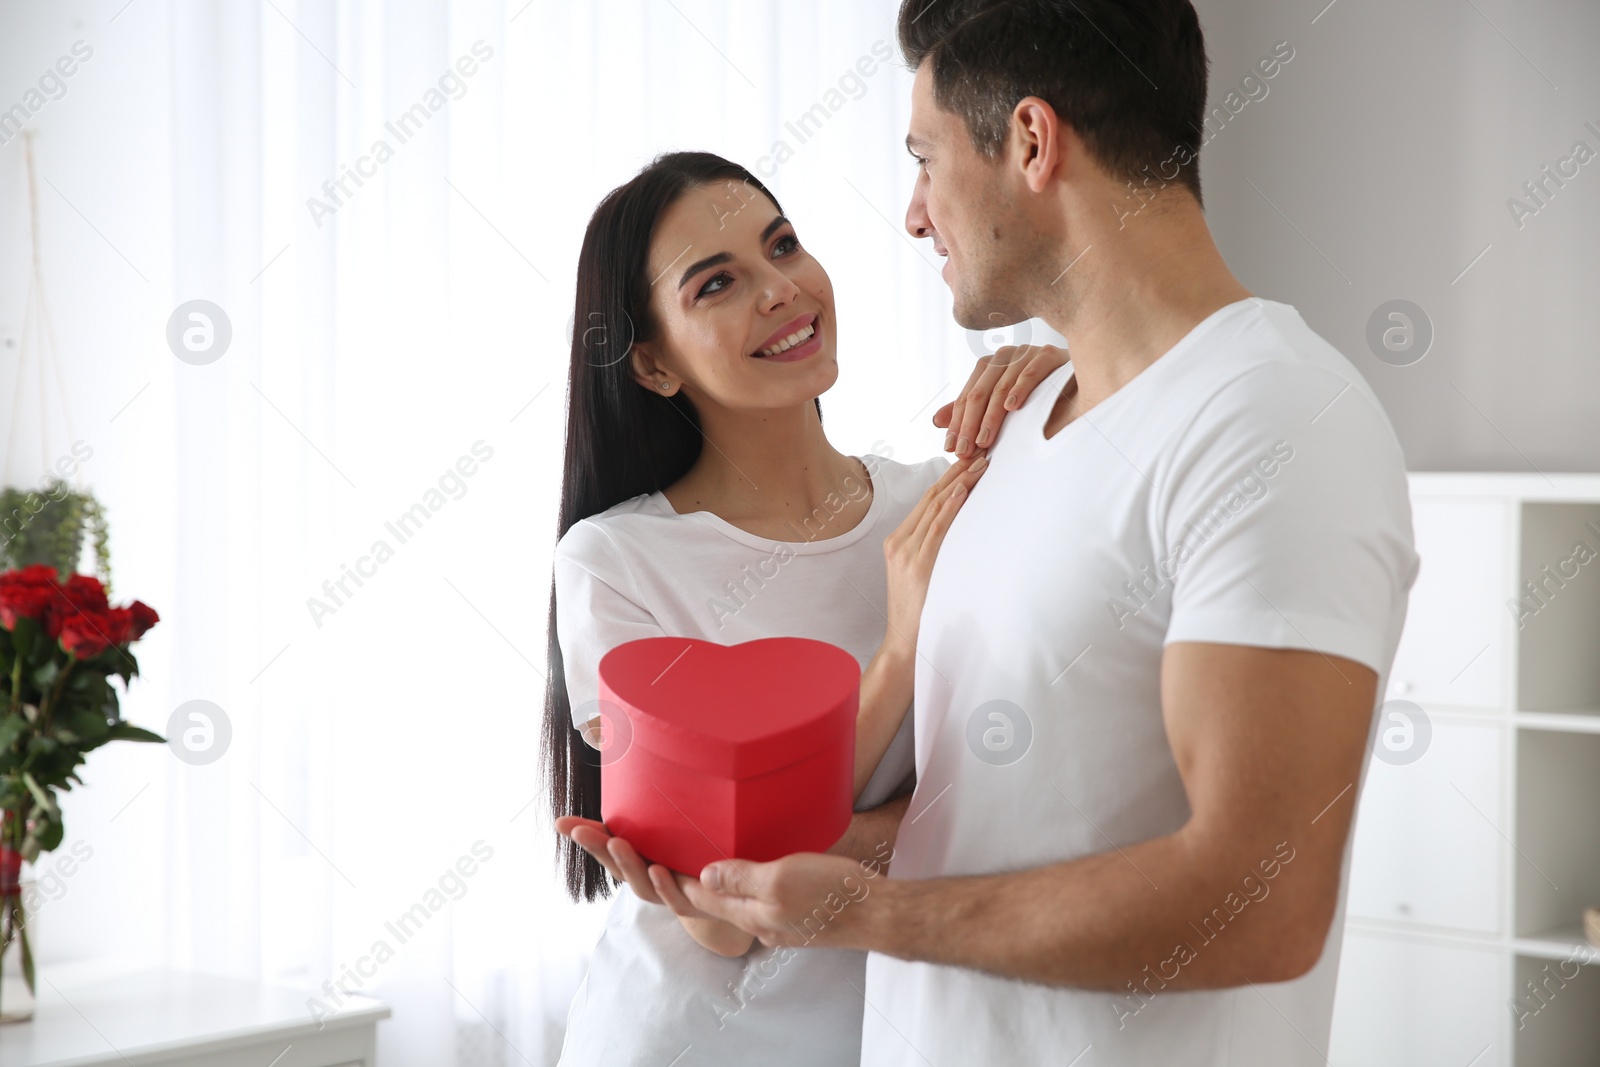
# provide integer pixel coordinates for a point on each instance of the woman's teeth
(802, 334)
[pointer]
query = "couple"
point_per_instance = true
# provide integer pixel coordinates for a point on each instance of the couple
(1141, 676)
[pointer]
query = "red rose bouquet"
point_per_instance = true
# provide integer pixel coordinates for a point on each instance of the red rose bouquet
(60, 645)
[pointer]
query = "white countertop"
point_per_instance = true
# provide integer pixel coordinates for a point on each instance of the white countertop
(89, 1014)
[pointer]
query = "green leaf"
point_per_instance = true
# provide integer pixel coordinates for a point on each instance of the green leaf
(11, 728)
(51, 834)
(85, 722)
(126, 731)
(22, 635)
(46, 801)
(45, 673)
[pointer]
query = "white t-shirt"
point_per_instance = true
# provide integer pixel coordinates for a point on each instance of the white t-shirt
(1245, 488)
(640, 569)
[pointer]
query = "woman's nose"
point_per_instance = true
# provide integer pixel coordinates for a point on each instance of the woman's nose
(780, 289)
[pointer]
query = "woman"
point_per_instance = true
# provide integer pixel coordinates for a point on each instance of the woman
(702, 499)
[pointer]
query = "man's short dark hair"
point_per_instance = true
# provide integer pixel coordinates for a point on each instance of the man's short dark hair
(1128, 75)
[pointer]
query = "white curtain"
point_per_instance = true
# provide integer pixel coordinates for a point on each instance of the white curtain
(399, 317)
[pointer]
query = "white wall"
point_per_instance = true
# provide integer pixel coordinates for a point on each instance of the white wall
(1391, 144)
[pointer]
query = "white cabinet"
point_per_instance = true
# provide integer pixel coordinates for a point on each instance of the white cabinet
(1454, 647)
(1428, 847)
(1409, 1002)
(1471, 864)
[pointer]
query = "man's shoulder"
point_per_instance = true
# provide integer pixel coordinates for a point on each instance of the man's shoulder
(1274, 372)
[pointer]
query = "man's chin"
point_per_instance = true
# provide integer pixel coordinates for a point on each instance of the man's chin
(971, 314)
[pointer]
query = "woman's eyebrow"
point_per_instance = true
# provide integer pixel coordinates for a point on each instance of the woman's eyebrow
(724, 257)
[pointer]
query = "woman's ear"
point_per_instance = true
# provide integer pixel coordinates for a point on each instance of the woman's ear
(649, 373)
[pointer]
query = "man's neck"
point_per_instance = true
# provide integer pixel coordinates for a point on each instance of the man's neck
(1142, 294)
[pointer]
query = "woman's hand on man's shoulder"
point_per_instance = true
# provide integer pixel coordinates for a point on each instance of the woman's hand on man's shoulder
(1000, 383)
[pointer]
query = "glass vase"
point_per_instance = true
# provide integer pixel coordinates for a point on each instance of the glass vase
(16, 941)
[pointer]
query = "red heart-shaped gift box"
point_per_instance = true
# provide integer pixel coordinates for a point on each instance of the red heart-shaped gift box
(727, 751)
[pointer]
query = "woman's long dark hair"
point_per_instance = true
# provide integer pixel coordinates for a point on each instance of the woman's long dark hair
(622, 439)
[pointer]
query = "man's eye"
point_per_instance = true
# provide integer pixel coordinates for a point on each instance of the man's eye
(706, 290)
(922, 162)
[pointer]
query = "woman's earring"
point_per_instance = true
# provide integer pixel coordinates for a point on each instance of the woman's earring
(666, 387)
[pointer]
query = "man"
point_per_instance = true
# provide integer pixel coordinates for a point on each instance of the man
(1157, 632)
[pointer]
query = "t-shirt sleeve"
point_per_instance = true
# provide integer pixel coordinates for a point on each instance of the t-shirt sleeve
(1287, 519)
(597, 609)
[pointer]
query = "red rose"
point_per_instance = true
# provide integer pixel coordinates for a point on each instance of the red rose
(24, 602)
(144, 617)
(26, 594)
(84, 591)
(33, 574)
(119, 625)
(88, 634)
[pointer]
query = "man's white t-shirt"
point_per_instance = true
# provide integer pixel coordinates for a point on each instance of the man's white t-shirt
(652, 995)
(1245, 488)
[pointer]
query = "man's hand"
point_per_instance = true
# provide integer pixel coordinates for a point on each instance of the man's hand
(999, 383)
(803, 900)
(869, 838)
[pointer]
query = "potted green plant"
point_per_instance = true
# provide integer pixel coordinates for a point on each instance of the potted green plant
(50, 525)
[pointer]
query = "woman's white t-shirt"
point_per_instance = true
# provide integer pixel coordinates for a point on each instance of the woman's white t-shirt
(652, 995)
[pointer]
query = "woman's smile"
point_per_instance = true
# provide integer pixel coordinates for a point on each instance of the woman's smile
(792, 342)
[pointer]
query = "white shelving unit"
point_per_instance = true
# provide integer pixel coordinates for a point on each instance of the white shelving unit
(1472, 863)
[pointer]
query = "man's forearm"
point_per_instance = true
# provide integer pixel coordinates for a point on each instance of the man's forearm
(1150, 916)
(871, 834)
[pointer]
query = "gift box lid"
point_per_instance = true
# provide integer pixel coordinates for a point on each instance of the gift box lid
(732, 710)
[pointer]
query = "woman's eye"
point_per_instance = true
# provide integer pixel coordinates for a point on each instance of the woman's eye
(790, 239)
(706, 290)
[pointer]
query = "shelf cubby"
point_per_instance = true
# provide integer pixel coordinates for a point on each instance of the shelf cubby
(1471, 865)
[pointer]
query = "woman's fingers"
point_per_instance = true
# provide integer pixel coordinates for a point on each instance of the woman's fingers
(671, 894)
(633, 870)
(1017, 361)
(939, 523)
(1000, 383)
(966, 473)
(979, 399)
(984, 420)
(975, 394)
(934, 492)
(593, 841)
(1042, 362)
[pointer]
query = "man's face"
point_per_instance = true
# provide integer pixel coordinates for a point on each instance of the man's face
(962, 202)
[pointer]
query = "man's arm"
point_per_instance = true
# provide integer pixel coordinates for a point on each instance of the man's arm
(1269, 743)
(871, 834)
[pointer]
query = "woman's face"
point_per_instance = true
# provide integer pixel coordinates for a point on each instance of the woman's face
(730, 283)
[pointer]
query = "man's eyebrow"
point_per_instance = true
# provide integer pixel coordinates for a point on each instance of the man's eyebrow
(915, 142)
(724, 257)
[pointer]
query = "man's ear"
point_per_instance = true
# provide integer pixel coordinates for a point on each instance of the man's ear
(1037, 132)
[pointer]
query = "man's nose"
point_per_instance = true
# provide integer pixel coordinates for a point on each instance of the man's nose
(917, 222)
